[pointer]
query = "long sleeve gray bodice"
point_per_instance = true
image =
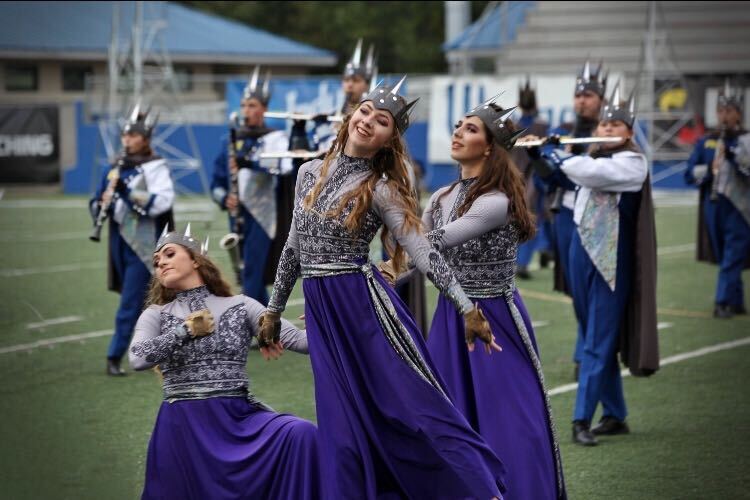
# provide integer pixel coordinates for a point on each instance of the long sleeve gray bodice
(480, 246)
(208, 366)
(316, 240)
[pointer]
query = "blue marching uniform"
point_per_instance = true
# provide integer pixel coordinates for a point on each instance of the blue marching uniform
(141, 207)
(257, 189)
(601, 262)
(725, 220)
(563, 227)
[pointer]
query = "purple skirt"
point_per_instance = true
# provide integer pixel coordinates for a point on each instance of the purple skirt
(228, 448)
(385, 431)
(500, 394)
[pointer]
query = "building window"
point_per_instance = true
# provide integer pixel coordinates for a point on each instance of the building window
(20, 77)
(74, 77)
(184, 77)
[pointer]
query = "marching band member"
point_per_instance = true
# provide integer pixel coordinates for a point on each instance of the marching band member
(247, 187)
(136, 195)
(612, 263)
(724, 213)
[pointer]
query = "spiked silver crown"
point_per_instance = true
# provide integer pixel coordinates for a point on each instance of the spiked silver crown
(140, 121)
(254, 90)
(729, 96)
(387, 98)
(495, 120)
(527, 96)
(616, 109)
(356, 67)
(588, 79)
(185, 239)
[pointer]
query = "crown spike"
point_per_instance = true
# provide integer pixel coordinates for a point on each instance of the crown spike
(395, 89)
(631, 103)
(253, 85)
(615, 99)
(516, 135)
(266, 84)
(164, 231)
(409, 106)
(373, 79)
(506, 114)
(357, 56)
(187, 231)
(136, 111)
(204, 246)
(586, 71)
(370, 62)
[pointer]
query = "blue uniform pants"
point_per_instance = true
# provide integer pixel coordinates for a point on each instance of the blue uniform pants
(730, 239)
(135, 278)
(255, 249)
(564, 228)
(601, 312)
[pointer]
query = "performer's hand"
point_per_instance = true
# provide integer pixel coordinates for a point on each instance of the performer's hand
(476, 325)
(269, 329)
(388, 272)
(231, 202)
(273, 351)
(200, 323)
(553, 140)
(320, 118)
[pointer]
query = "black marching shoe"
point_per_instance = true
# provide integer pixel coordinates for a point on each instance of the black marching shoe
(582, 435)
(723, 311)
(544, 259)
(738, 309)
(113, 368)
(523, 272)
(610, 426)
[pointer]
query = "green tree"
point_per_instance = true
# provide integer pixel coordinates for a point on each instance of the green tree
(408, 35)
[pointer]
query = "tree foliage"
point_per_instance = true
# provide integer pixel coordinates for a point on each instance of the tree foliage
(407, 35)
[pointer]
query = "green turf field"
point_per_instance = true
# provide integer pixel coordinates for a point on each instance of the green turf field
(71, 432)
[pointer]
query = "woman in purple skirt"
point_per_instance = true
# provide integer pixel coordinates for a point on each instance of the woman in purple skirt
(212, 439)
(476, 223)
(386, 426)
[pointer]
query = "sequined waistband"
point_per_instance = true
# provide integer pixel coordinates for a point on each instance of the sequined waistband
(334, 269)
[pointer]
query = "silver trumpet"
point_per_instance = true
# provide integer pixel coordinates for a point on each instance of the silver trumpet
(231, 243)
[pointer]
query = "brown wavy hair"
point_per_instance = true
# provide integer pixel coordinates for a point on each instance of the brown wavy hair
(501, 173)
(389, 163)
(159, 294)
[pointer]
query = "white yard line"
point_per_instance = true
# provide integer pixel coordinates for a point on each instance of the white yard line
(672, 249)
(12, 273)
(53, 321)
(677, 358)
(34, 238)
(55, 340)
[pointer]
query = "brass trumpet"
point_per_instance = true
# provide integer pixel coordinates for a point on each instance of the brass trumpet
(231, 243)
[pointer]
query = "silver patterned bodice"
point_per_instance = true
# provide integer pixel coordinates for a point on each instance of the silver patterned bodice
(208, 366)
(484, 265)
(325, 240)
(319, 244)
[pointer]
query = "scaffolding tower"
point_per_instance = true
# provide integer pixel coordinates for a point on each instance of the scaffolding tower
(658, 73)
(140, 69)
